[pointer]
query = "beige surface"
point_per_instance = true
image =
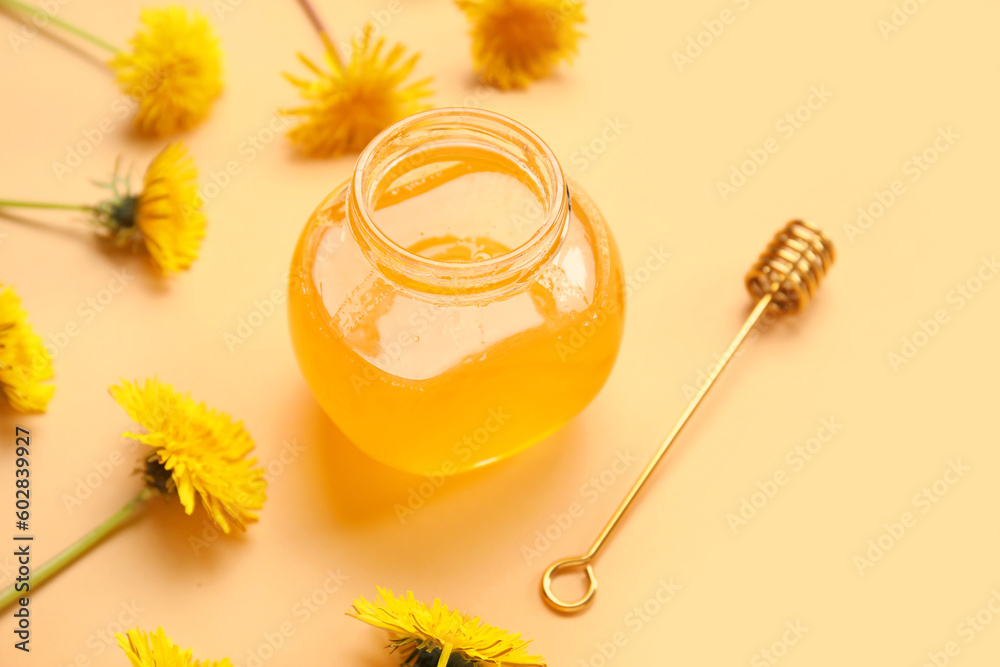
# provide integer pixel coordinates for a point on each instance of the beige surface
(676, 133)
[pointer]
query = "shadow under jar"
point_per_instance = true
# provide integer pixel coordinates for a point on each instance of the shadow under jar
(457, 300)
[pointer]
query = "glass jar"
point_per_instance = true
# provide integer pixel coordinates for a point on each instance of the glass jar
(458, 299)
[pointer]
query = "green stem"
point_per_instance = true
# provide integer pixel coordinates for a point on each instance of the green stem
(13, 203)
(59, 22)
(82, 546)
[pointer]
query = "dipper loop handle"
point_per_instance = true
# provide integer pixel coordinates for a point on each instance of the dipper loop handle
(567, 564)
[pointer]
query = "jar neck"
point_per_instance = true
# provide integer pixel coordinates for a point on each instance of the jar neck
(413, 149)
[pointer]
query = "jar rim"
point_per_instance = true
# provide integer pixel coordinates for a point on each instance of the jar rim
(477, 275)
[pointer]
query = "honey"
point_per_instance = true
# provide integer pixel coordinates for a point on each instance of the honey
(456, 302)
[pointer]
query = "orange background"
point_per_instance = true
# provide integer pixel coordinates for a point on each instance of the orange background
(680, 131)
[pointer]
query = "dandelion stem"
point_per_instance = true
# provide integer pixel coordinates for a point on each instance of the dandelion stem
(310, 11)
(59, 22)
(13, 203)
(82, 546)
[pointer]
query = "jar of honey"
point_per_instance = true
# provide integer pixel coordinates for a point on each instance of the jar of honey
(458, 299)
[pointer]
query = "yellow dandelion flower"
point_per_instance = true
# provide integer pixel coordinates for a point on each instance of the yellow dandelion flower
(435, 636)
(173, 72)
(168, 212)
(24, 362)
(348, 105)
(198, 450)
(165, 218)
(515, 42)
(155, 649)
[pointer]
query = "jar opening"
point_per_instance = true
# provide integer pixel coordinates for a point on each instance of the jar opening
(458, 201)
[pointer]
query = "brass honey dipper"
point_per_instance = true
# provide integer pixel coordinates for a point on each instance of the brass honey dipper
(784, 279)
